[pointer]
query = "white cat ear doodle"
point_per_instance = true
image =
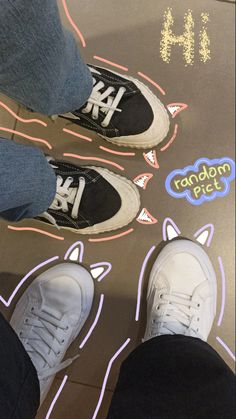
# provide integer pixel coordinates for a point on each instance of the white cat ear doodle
(170, 230)
(100, 270)
(75, 253)
(205, 235)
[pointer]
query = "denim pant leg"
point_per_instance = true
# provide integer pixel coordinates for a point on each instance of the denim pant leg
(40, 64)
(27, 181)
(174, 377)
(19, 385)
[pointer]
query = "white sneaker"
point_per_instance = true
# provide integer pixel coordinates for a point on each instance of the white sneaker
(182, 292)
(50, 315)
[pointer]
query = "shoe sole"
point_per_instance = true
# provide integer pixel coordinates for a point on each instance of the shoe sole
(130, 206)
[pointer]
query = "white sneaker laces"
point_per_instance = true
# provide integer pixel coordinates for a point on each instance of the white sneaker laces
(96, 102)
(64, 196)
(45, 337)
(174, 315)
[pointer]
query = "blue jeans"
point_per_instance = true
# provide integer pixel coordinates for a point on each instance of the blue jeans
(41, 68)
(27, 181)
(40, 64)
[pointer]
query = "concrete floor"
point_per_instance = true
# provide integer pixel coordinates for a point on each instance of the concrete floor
(128, 33)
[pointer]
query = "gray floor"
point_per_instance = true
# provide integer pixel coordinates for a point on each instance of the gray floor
(128, 33)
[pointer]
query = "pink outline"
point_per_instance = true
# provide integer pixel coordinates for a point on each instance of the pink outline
(94, 323)
(149, 175)
(152, 82)
(107, 375)
(164, 231)
(201, 230)
(73, 24)
(103, 60)
(183, 106)
(154, 165)
(83, 137)
(154, 220)
(79, 244)
(223, 299)
(172, 138)
(118, 153)
(56, 397)
(77, 156)
(145, 262)
(26, 121)
(117, 236)
(35, 230)
(106, 272)
(231, 354)
(21, 134)
(46, 262)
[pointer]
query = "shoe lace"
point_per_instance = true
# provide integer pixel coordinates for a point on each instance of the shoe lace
(43, 342)
(177, 314)
(66, 195)
(97, 103)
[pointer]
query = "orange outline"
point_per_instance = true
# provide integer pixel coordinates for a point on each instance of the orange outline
(152, 82)
(27, 121)
(21, 134)
(172, 138)
(121, 67)
(118, 153)
(154, 165)
(150, 176)
(183, 106)
(154, 220)
(83, 137)
(35, 230)
(77, 156)
(117, 236)
(73, 24)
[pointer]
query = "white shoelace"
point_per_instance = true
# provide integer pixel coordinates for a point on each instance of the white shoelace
(45, 341)
(179, 312)
(97, 103)
(66, 195)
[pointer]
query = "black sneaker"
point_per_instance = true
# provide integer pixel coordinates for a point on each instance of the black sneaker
(91, 200)
(122, 110)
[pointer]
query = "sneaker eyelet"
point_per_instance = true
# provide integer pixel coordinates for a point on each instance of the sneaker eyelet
(71, 178)
(67, 328)
(32, 309)
(26, 321)
(20, 334)
(199, 305)
(58, 353)
(62, 341)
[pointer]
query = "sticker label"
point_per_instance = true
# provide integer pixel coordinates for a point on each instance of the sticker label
(204, 181)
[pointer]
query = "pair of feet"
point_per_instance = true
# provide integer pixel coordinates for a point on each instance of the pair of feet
(181, 299)
(123, 111)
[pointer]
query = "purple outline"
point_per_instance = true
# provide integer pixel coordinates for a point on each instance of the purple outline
(106, 272)
(107, 375)
(147, 257)
(164, 230)
(46, 262)
(231, 354)
(187, 194)
(56, 397)
(223, 300)
(201, 230)
(80, 244)
(94, 323)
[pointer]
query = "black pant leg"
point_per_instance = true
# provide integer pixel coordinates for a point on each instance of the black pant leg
(174, 377)
(19, 385)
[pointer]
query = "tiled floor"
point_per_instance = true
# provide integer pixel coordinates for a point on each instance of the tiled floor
(129, 33)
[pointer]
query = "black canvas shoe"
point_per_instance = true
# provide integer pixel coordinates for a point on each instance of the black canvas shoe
(122, 110)
(91, 200)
